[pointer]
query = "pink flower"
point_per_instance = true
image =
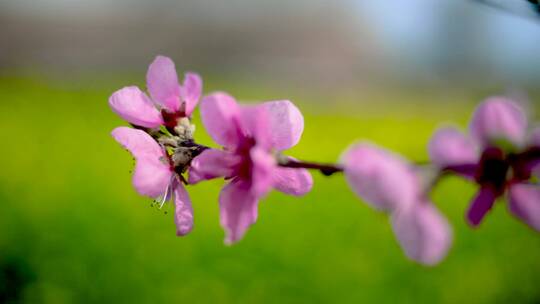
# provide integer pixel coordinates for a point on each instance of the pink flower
(387, 182)
(496, 156)
(252, 137)
(154, 174)
(170, 100)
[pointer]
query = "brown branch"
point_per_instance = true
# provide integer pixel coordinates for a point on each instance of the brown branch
(325, 169)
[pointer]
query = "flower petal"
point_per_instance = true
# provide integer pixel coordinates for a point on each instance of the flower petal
(293, 181)
(534, 137)
(238, 210)
(183, 212)
(423, 233)
(152, 177)
(286, 123)
(384, 180)
(162, 83)
(212, 163)
(533, 164)
(449, 147)
(482, 203)
(499, 118)
(134, 106)
(525, 204)
(263, 166)
(220, 116)
(138, 142)
(191, 91)
(254, 126)
(152, 173)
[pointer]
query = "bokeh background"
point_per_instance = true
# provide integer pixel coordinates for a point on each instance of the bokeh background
(73, 230)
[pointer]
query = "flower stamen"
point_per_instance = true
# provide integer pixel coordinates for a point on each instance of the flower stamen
(167, 193)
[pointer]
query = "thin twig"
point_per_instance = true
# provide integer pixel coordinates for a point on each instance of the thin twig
(325, 169)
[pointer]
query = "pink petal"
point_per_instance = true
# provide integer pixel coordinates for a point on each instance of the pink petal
(220, 116)
(253, 125)
(449, 147)
(534, 142)
(162, 83)
(384, 180)
(525, 204)
(534, 137)
(183, 212)
(263, 166)
(134, 106)
(138, 142)
(292, 181)
(212, 163)
(191, 91)
(499, 118)
(152, 173)
(152, 176)
(423, 233)
(238, 210)
(481, 205)
(286, 123)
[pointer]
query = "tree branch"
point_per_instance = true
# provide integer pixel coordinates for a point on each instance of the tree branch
(325, 169)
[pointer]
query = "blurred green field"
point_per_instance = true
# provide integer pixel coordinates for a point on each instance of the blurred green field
(73, 230)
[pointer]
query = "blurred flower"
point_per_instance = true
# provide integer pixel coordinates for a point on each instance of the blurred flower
(170, 100)
(154, 174)
(389, 183)
(383, 179)
(251, 136)
(497, 157)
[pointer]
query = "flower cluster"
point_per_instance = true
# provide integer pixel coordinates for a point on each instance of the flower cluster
(500, 155)
(252, 137)
(162, 137)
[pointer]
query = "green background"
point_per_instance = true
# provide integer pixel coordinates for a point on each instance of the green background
(73, 230)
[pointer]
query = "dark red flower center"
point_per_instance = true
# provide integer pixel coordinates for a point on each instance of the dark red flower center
(170, 119)
(498, 169)
(493, 169)
(245, 167)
